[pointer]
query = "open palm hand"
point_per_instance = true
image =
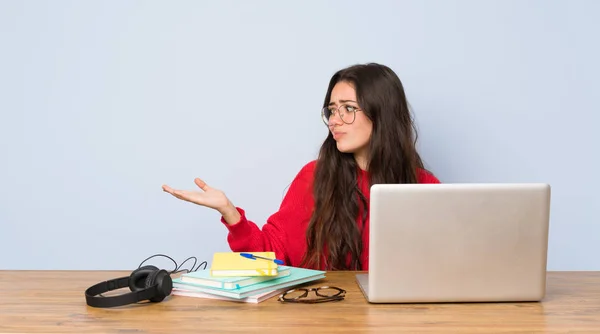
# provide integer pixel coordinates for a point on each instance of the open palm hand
(207, 196)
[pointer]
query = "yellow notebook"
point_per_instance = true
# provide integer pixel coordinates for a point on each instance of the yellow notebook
(233, 264)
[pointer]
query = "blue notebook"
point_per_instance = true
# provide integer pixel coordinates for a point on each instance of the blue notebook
(297, 276)
(204, 278)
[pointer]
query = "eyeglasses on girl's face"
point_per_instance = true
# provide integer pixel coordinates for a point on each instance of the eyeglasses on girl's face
(346, 112)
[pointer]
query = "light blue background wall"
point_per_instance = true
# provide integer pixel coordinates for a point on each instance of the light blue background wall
(104, 101)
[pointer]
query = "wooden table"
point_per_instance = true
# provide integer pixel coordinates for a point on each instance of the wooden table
(53, 301)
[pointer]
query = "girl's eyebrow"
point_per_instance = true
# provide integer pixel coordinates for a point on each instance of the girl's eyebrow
(341, 101)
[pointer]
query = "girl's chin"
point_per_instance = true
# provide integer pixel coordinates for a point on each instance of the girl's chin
(344, 148)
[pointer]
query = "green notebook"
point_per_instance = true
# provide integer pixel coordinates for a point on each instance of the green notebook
(204, 278)
(297, 276)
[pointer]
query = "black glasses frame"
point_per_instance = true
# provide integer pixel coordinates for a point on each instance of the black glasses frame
(341, 293)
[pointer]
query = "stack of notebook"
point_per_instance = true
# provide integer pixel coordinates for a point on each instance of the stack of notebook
(237, 278)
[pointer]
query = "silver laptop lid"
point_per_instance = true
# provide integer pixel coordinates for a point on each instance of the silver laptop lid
(458, 242)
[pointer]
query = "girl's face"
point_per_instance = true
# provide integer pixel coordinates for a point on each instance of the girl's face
(349, 125)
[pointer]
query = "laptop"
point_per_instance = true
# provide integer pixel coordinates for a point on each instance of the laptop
(435, 243)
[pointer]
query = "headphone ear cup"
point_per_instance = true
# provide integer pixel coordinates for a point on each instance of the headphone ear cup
(138, 278)
(163, 282)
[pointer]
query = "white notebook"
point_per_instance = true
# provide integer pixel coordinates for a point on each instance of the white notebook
(255, 299)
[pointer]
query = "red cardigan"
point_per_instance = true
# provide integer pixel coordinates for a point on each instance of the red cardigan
(284, 231)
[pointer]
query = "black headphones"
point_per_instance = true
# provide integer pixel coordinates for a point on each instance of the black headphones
(145, 283)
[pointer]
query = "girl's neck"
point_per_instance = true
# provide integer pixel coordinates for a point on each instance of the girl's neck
(361, 160)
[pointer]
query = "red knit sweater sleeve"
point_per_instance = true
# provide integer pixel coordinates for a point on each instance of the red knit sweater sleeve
(425, 176)
(281, 231)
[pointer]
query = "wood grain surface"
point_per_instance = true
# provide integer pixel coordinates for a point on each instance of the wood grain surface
(53, 302)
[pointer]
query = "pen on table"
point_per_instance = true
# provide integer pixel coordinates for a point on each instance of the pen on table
(254, 257)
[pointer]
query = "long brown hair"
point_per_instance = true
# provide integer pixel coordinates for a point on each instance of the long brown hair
(333, 234)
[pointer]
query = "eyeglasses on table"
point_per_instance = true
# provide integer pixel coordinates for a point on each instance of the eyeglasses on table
(321, 294)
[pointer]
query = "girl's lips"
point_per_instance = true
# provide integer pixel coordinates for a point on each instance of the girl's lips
(337, 135)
